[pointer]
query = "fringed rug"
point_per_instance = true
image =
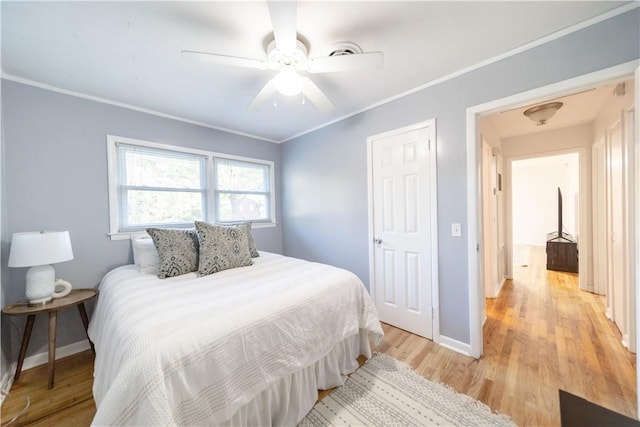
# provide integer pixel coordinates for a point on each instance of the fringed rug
(386, 392)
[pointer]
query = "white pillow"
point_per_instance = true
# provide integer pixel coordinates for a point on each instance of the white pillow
(145, 255)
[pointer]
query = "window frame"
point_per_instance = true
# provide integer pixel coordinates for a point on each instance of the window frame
(123, 189)
(210, 211)
(217, 191)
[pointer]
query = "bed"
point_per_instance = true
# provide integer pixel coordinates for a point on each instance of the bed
(244, 346)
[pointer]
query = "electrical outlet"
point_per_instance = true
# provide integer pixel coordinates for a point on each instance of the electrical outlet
(456, 230)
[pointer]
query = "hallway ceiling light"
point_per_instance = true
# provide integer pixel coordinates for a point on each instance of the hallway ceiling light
(540, 114)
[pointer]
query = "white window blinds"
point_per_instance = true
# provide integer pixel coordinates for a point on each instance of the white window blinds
(160, 187)
(242, 190)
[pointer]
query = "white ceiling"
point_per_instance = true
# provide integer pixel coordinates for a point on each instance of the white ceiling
(577, 109)
(129, 52)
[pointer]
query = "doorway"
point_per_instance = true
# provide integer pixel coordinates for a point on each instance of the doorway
(545, 195)
(474, 165)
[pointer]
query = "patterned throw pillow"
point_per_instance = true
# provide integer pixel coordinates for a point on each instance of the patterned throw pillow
(222, 247)
(177, 251)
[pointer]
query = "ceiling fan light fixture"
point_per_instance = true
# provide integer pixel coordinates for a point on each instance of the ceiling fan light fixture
(288, 82)
(540, 114)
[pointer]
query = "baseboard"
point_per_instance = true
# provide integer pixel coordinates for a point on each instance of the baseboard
(498, 287)
(589, 287)
(43, 358)
(625, 341)
(455, 345)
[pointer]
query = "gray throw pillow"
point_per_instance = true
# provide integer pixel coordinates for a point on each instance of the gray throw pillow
(222, 247)
(177, 251)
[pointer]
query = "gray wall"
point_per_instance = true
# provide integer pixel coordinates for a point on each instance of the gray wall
(324, 173)
(55, 170)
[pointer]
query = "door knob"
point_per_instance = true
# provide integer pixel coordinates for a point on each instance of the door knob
(377, 240)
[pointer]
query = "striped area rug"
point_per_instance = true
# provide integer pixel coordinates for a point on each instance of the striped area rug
(386, 392)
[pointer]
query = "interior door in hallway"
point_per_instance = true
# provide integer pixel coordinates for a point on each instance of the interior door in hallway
(402, 191)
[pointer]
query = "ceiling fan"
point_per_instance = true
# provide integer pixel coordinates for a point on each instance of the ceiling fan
(288, 55)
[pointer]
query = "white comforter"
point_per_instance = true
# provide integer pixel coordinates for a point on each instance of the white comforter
(189, 350)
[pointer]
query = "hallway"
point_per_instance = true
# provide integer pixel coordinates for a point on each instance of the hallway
(542, 334)
(549, 335)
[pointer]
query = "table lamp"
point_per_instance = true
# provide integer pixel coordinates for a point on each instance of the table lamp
(39, 249)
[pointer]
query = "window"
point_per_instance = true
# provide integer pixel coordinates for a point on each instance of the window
(152, 184)
(160, 187)
(242, 190)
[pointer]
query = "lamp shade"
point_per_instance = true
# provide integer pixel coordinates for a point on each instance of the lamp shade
(39, 248)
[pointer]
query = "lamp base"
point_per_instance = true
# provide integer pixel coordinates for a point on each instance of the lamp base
(40, 284)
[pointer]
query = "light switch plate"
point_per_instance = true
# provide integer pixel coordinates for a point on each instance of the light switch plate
(456, 230)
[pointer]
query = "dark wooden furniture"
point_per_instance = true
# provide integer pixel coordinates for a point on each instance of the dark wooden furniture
(578, 412)
(562, 253)
(77, 297)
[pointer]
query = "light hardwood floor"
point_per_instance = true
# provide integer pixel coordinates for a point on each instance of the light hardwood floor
(541, 334)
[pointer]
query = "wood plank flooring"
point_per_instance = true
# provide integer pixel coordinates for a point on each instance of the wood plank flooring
(541, 334)
(69, 403)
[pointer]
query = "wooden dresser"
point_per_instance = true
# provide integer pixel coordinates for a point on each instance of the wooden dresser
(562, 253)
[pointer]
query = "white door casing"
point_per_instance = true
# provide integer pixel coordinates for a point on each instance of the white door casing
(617, 294)
(402, 227)
(600, 241)
(631, 140)
(636, 196)
(489, 260)
(500, 224)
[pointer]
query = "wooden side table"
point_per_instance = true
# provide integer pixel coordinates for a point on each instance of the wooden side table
(77, 297)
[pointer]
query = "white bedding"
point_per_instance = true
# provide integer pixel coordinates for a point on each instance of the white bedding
(205, 350)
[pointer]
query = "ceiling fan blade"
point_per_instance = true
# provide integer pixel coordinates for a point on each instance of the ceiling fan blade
(267, 91)
(356, 61)
(283, 20)
(316, 96)
(234, 61)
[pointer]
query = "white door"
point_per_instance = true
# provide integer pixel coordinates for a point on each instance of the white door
(402, 175)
